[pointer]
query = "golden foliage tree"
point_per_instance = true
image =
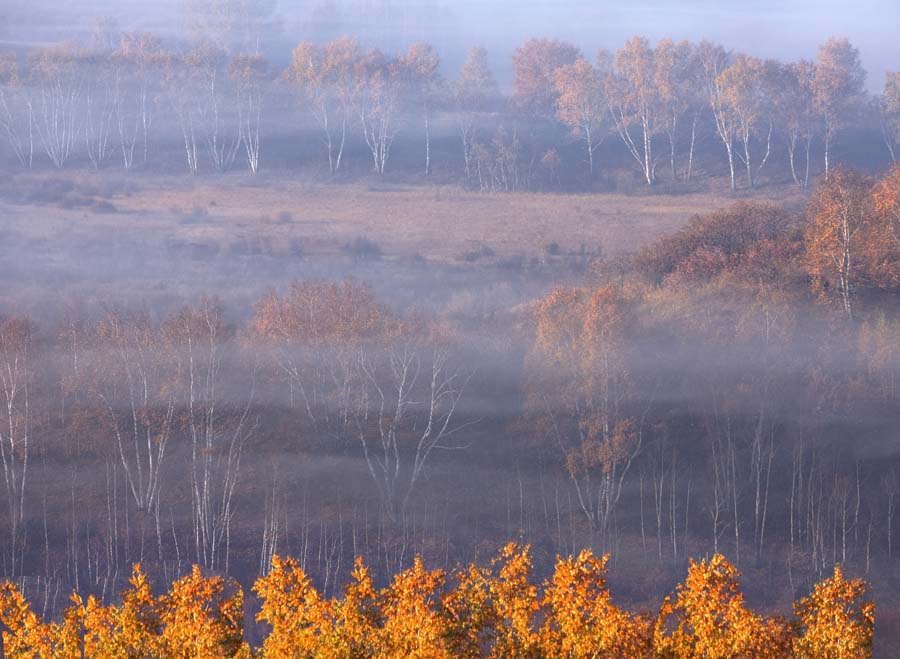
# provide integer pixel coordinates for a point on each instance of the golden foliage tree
(836, 621)
(581, 621)
(708, 619)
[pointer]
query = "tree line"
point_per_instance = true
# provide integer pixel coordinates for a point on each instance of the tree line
(471, 612)
(114, 99)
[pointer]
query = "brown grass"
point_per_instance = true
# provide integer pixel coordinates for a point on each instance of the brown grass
(435, 222)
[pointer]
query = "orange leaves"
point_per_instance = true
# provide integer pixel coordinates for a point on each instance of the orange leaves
(291, 607)
(845, 246)
(319, 312)
(478, 613)
(708, 619)
(201, 618)
(836, 621)
(581, 621)
(413, 626)
(20, 626)
(534, 64)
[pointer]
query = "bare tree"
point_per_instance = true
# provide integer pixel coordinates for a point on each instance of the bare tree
(249, 73)
(15, 432)
(16, 120)
(138, 64)
(57, 84)
(217, 426)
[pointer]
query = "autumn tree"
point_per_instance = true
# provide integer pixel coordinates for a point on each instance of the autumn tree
(534, 69)
(634, 102)
(202, 618)
(836, 620)
(138, 65)
(413, 625)
(679, 84)
(249, 74)
(579, 392)
(379, 85)
(473, 92)
(708, 618)
(293, 610)
(838, 87)
(889, 106)
(715, 60)
(837, 238)
(580, 105)
(795, 108)
(747, 88)
(325, 79)
(581, 620)
(419, 66)
(22, 633)
(516, 605)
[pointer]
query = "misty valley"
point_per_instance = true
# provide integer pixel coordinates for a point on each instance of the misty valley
(375, 347)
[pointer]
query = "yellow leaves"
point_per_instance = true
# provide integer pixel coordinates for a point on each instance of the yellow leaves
(20, 626)
(413, 626)
(291, 607)
(201, 619)
(580, 619)
(836, 621)
(478, 613)
(708, 619)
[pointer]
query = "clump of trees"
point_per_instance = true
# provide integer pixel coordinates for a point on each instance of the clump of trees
(469, 612)
(659, 102)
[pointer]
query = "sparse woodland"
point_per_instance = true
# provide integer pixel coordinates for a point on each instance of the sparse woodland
(673, 113)
(722, 402)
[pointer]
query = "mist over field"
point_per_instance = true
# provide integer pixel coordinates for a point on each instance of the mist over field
(576, 324)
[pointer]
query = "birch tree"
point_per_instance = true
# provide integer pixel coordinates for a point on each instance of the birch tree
(581, 106)
(16, 121)
(218, 425)
(57, 85)
(678, 81)
(249, 74)
(579, 387)
(714, 60)
(379, 90)
(419, 65)
(15, 433)
(634, 102)
(747, 86)
(138, 62)
(889, 107)
(473, 92)
(325, 77)
(794, 102)
(838, 88)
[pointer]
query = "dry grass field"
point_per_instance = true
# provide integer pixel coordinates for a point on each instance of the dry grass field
(104, 237)
(434, 222)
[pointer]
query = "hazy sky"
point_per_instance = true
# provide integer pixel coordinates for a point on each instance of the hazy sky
(787, 29)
